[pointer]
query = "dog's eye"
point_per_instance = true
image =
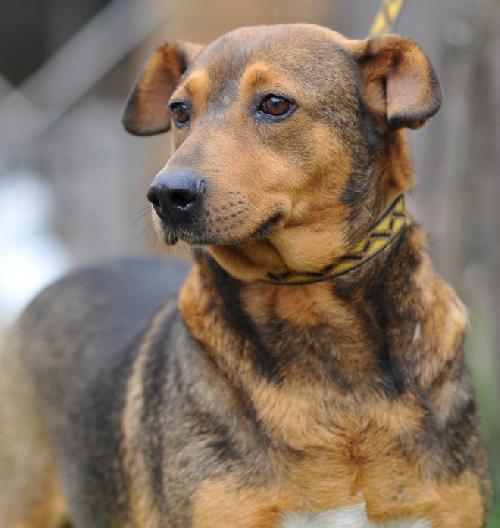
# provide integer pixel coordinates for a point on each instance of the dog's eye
(275, 105)
(180, 113)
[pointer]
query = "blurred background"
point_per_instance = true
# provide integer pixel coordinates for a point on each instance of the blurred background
(72, 182)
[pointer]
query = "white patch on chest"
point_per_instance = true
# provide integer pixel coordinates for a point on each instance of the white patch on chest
(352, 517)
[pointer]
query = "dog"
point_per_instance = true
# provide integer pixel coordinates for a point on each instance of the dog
(310, 373)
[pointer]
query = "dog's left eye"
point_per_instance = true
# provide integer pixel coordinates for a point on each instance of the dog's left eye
(180, 113)
(275, 106)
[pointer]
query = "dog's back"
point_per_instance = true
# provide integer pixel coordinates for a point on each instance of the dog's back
(74, 346)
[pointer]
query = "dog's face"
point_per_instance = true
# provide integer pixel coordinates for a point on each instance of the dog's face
(287, 140)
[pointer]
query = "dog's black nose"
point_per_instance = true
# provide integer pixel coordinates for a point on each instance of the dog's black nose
(176, 194)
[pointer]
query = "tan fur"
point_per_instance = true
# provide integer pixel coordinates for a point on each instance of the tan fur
(197, 87)
(49, 511)
(349, 448)
(225, 503)
(307, 212)
(141, 502)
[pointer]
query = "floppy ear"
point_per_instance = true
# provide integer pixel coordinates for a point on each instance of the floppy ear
(146, 112)
(398, 80)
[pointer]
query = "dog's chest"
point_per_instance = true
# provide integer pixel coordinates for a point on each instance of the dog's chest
(351, 517)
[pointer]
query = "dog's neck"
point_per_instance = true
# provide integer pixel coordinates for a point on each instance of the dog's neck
(384, 329)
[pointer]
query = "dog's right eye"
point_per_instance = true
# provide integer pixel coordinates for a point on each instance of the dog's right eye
(276, 107)
(180, 114)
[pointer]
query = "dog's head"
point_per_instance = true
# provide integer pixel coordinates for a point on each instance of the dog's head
(287, 140)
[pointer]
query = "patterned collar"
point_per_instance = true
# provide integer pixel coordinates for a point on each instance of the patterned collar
(384, 231)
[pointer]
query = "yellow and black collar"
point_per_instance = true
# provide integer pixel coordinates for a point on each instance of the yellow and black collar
(384, 231)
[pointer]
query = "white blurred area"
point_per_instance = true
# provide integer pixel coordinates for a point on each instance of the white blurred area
(72, 182)
(31, 255)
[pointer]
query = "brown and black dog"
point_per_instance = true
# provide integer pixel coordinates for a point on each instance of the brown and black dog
(311, 372)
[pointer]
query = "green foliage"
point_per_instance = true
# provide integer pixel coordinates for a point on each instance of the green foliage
(484, 371)
(495, 516)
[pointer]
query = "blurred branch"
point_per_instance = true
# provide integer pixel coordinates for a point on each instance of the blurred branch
(16, 99)
(72, 71)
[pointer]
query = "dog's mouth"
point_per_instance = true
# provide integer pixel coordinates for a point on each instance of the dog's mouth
(268, 226)
(206, 231)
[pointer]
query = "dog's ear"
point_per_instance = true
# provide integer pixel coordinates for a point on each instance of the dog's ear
(146, 112)
(398, 80)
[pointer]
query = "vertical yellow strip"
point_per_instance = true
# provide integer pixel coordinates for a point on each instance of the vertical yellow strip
(386, 17)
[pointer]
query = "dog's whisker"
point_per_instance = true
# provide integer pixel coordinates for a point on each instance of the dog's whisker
(141, 214)
(362, 206)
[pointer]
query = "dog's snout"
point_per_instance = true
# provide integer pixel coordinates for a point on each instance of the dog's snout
(176, 194)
